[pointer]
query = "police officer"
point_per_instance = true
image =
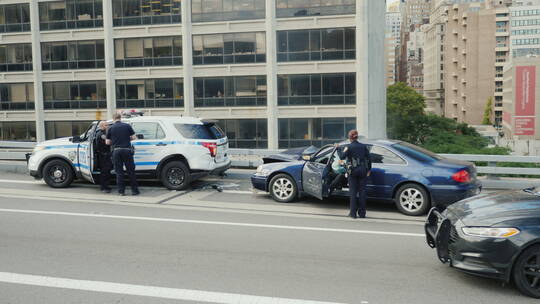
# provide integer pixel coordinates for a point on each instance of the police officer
(119, 136)
(104, 157)
(359, 168)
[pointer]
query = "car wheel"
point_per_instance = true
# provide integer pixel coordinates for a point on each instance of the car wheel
(283, 188)
(527, 272)
(57, 174)
(412, 199)
(175, 176)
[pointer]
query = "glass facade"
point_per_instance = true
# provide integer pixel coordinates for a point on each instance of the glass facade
(16, 57)
(302, 8)
(246, 133)
(75, 95)
(16, 96)
(224, 10)
(319, 44)
(18, 130)
(146, 12)
(85, 54)
(301, 132)
(15, 18)
(229, 48)
(142, 52)
(57, 129)
(317, 89)
(70, 14)
(150, 93)
(234, 91)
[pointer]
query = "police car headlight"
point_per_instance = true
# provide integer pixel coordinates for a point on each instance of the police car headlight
(490, 232)
(262, 171)
(38, 148)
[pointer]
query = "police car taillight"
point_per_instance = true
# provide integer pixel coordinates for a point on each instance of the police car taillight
(212, 147)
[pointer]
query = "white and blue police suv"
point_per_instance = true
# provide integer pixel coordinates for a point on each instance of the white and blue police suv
(174, 150)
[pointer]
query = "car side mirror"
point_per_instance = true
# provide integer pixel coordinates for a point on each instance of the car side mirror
(75, 139)
(140, 136)
(306, 157)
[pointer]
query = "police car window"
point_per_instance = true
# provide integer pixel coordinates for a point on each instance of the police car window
(150, 130)
(88, 131)
(380, 155)
(324, 155)
(205, 131)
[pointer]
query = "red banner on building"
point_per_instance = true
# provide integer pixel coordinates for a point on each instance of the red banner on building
(524, 125)
(525, 91)
(507, 117)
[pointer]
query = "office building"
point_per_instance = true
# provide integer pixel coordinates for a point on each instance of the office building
(392, 42)
(525, 28)
(275, 74)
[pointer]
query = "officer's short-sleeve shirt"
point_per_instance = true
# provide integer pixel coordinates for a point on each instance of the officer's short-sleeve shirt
(120, 134)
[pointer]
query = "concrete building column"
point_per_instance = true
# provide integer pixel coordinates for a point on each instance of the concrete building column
(370, 76)
(36, 67)
(271, 76)
(187, 59)
(110, 81)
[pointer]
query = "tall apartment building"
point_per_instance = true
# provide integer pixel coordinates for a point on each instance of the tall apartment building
(415, 58)
(525, 28)
(275, 74)
(474, 54)
(392, 42)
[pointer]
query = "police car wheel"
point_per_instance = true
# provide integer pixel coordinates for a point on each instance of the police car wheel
(175, 176)
(283, 188)
(57, 174)
(412, 199)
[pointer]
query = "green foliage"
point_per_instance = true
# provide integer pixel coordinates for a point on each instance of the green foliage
(408, 122)
(488, 111)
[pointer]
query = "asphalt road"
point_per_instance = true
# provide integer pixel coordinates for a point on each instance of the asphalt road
(202, 246)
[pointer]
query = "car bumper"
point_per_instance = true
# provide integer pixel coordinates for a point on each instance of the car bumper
(221, 168)
(442, 196)
(259, 182)
(486, 257)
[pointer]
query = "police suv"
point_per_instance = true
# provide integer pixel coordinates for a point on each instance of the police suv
(175, 150)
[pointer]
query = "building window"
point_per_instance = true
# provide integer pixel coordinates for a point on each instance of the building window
(15, 57)
(16, 96)
(229, 48)
(150, 93)
(301, 132)
(234, 91)
(302, 8)
(18, 130)
(15, 18)
(87, 54)
(316, 89)
(75, 95)
(142, 52)
(224, 10)
(57, 129)
(320, 44)
(70, 14)
(147, 12)
(246, 133)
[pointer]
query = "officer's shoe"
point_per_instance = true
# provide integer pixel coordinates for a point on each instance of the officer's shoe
(134, 193)
(121, 194)
(353, 216)
(106, 190)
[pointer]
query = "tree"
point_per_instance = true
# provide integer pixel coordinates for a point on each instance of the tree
(488, 112)
(404, 107)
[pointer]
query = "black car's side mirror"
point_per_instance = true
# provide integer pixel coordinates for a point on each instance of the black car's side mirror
(75, 139)
(140, 136)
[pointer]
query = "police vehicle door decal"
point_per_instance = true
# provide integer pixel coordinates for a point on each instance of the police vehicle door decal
(85, 154)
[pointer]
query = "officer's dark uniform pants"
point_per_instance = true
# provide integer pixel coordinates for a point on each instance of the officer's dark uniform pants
(121, 157)
(357, 191)
(105, 166)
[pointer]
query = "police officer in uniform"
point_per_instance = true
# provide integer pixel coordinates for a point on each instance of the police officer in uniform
(104, 157)
(119, 136)
(359, 169)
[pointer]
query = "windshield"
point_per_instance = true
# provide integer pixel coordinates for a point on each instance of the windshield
(415, 152)
(206, 131)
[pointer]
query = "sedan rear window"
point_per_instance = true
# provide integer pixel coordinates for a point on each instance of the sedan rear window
(205, 131)
(415, 152)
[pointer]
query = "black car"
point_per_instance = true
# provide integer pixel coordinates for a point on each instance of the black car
(495, 236)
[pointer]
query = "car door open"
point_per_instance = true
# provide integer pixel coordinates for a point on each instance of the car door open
(315, 172)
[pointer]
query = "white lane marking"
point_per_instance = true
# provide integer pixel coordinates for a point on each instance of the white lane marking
(171, 220)
(12, 181)
(146, 291)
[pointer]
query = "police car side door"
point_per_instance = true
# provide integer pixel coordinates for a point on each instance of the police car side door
(85, 153)
(315, 173)
(153, 146)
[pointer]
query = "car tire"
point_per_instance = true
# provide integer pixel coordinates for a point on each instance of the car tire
(523, 275)
(283, 188)
(412, 199)
(58, 173)
(175, 175)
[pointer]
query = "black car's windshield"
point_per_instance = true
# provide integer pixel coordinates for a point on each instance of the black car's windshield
(415, 152)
